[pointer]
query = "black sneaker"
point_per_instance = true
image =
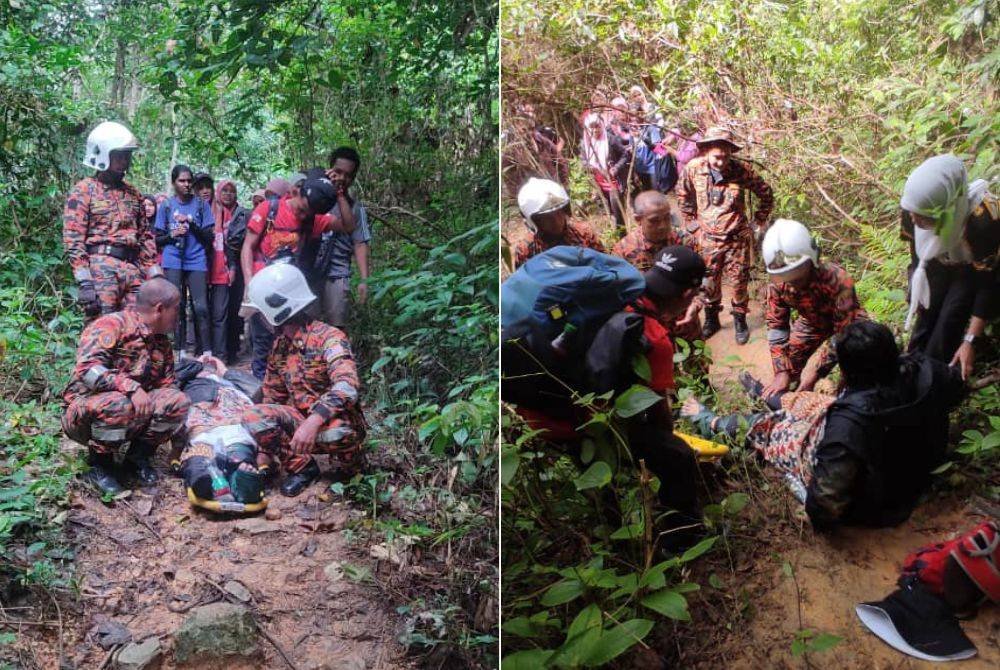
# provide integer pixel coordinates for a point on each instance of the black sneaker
(741, 328)
(712, 325)
(296, 482)
(101, 476)
(137, 460)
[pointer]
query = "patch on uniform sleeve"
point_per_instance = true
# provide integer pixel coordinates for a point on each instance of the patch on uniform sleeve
(93, 375)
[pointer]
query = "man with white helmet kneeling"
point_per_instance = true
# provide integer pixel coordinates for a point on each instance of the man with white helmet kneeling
(310, 398)
(821, 293)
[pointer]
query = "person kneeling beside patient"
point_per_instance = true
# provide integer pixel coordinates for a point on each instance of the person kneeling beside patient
(311, 388)
(864, 456)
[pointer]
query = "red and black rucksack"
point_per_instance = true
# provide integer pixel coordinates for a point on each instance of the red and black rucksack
(964, 571)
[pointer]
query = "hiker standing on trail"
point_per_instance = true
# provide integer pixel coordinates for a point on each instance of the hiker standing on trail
(865, 456)
(311, 390)
(226, 277)
(107, 238)
(595, 150)
(954, 232)
(712, 195)
(257, 198)
(545, 207)
(122, 387)
(204, 187)
(276, 189)
(338, 248)
(659, 226)
(184, 226)
(822, 294)
(277, 231)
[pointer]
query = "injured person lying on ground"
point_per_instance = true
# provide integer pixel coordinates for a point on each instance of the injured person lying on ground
(865, 456)
(216, 456)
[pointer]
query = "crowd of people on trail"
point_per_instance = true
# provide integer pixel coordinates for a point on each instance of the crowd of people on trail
(283, 264)
(860, 456)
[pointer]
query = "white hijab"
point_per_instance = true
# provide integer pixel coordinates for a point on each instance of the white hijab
(939, 189)
(595, 150)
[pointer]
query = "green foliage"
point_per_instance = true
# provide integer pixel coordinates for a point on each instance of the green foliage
(254, 90)
(580, 535)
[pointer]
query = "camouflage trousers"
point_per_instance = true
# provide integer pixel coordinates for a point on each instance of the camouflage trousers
(729, 257)
(106, 421)
(116, 282)
(795, 346)
(272, 427)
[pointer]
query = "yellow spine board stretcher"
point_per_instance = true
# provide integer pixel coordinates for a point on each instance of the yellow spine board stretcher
(706, 449)
(231, 507)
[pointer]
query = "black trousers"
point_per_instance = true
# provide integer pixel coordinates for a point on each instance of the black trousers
(234, 322)
(195, 282)
(940, 327)
(261, 338)
(672, 461)
(615, 201)
(219, 299)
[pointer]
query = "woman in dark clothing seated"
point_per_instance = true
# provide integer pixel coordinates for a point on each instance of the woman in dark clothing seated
(864, 457)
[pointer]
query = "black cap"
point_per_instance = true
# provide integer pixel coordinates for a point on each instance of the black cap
(202, 177)
(320, 193)
(676, 269)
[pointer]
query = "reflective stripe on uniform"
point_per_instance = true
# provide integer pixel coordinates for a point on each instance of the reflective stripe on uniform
(108, 433)
(163, 426)
(335, 435)
(347, 389)
(777, 336)
(93, 375)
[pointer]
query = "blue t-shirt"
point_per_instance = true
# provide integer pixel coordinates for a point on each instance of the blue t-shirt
(645, 159)
(186, 252)
(343, 243)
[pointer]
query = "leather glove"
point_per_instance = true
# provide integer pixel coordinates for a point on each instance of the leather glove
(87, 298)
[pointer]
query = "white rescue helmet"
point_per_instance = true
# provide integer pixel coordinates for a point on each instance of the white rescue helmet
(540, 196)
(788, 245)
(279, 292)
(105, 138)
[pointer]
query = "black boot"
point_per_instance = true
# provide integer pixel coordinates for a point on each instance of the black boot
(296, 482)
(712, 325)
(138, 458)
(752, 385)
(741, 327)
(101, 474)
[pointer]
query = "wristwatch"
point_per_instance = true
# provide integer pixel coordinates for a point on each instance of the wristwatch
(969, 337)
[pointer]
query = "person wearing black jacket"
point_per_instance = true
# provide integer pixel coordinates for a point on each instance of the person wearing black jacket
(884, 433)
(864, 457)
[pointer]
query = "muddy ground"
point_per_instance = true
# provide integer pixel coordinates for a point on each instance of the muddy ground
(143, 562)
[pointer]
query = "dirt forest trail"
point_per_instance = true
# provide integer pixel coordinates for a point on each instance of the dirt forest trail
(145, 561)
(832, 574)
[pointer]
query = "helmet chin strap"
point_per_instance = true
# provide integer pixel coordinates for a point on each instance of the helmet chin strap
(110, 176)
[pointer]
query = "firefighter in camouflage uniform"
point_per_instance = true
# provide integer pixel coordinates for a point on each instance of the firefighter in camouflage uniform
(545, 207)
(659, 226)
(109, 243)
(822, 294)
(712, 195)
(122, 388)
(311, 388)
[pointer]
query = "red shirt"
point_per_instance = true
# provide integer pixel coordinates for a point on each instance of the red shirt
(285, 231)
(661, 349)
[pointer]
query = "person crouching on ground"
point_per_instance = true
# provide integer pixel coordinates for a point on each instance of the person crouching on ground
(545, 207)
(311, 398)
(822, 294)
(865, 456)
(122, 388)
